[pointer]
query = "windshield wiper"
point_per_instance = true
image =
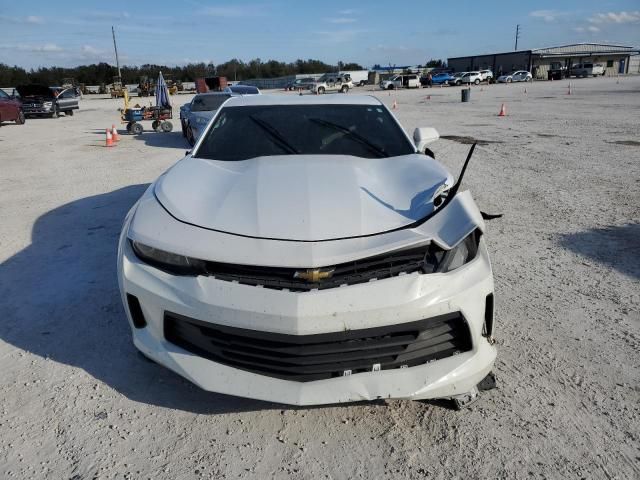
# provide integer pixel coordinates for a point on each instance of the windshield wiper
(276, 135)
(358, 138)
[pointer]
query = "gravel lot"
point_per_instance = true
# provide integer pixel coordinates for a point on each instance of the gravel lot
(77, 402)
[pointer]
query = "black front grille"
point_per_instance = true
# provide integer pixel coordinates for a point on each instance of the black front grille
(359, 271)
(314, 357)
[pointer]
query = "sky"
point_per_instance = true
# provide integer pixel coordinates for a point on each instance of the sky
(408, 32)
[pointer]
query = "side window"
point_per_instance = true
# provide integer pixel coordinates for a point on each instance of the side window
(609, 63)
(3, 95)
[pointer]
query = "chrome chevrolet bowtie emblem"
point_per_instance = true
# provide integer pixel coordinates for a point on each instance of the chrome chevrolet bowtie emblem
(313, 276)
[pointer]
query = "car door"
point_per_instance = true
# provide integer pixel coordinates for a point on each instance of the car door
(5, 106)
(70, 99)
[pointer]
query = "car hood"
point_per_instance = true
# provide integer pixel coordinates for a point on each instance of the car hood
(34, 90)
(303, 197)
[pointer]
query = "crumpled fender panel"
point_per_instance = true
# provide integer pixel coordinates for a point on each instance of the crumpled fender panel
(151, 224)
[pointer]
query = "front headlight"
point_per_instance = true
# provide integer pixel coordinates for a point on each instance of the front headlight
(48, 104)
(438, 260)
(167, 261)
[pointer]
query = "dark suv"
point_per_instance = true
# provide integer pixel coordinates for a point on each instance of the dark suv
(48, 101)
(10, 109)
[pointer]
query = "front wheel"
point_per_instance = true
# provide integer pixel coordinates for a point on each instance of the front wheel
(129, 126)
(166, 127)
(155, 124)
(508, 80)
(391, 87)
(137, 129)
(320, 90)
(69, 113)
(477, 81)
(20, 119)
(362, 83)
(344, 89)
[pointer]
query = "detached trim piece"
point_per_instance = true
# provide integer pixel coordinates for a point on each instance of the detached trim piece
(304, 358)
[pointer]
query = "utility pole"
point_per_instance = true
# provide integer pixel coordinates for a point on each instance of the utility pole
(517, 36)
(115, 47)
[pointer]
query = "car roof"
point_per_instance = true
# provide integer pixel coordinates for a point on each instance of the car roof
(259, 100)
(212, 94)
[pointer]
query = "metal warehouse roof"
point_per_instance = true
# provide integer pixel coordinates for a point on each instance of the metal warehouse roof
(585, 49)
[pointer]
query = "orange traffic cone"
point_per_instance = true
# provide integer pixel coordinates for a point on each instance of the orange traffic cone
(109, 139)
(114, 134)
(395, 105)
(503, 111)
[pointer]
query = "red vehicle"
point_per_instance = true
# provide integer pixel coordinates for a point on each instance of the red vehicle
(10, 109)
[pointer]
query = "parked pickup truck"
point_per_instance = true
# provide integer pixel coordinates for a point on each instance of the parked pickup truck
(400, 81)
(587, 70)
(332, 83)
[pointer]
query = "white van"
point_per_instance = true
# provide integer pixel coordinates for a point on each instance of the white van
(358, 77)
(401, 81)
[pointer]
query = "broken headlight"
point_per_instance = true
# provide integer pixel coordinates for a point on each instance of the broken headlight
(167, 261)
(438, 260)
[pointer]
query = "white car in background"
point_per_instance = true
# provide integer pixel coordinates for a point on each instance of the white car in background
(401, 81)
(517, 76)
(306, 252)
(471, 77)
(487, 75)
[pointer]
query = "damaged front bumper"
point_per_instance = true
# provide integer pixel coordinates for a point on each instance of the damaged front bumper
(220, 309)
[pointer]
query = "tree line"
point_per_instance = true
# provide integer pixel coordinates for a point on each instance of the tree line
(104, 73)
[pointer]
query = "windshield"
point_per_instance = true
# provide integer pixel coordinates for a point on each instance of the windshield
(207, 103)
(367, 131)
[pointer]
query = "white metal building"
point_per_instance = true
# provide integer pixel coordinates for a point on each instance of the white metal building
(617, 59)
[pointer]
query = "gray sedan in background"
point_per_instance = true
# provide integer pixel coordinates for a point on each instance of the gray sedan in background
(195, 115)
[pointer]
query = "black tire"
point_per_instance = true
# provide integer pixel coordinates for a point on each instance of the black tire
(190, 138)
(184, 129)
(362, 83)
(69, 113)
(320, 90)
(155, 124)
(391, 87)
(20, 119)
(166, 127)
(508, 80)
(129, 126)
(344, 89)
(477, 81)
(137, 128)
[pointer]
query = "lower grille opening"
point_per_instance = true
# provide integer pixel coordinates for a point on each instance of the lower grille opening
(320, 356)
(136, 311)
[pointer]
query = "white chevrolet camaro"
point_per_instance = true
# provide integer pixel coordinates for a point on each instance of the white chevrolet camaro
(307, 251)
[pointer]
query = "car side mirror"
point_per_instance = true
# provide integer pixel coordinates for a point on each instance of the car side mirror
(424, 136)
